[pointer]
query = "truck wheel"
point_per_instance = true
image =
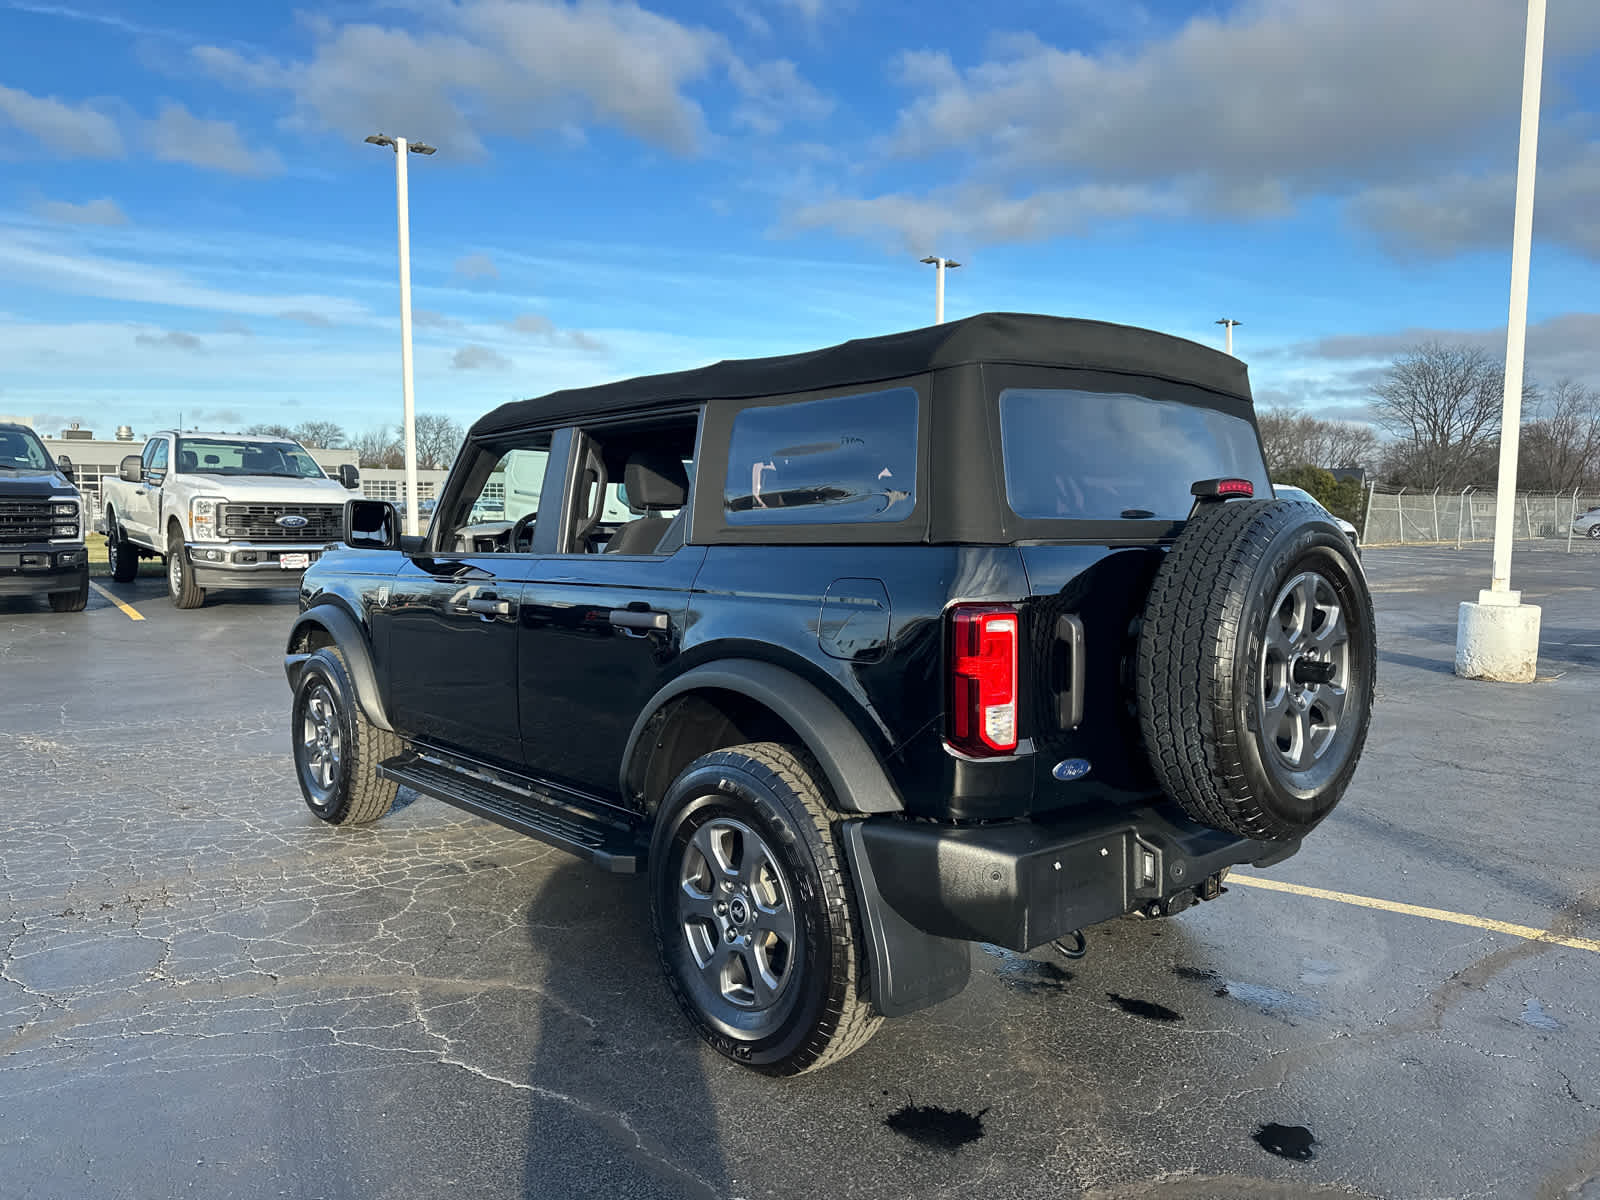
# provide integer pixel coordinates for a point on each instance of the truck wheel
(336, 749)
(180, 575)
(1256, 664)
(755, 922)
(121, 557)
(74, 601)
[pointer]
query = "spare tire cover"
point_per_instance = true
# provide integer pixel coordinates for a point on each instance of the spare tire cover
(1256, 664)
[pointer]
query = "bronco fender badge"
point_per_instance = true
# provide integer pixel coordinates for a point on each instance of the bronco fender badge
(1069, 769)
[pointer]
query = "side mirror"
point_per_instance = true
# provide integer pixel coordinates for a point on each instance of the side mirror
(131, 470)
(349, 476)
(64, 465)
(371, 525)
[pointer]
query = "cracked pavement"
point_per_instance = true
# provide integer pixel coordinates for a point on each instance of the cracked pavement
(204, 991)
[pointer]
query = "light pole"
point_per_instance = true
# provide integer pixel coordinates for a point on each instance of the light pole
(941, 265)
(1229, 322)
(1498, 637)
(403, 202)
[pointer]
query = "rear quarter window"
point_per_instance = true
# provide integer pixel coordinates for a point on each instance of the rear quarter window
(838, 460)
(1081, 455)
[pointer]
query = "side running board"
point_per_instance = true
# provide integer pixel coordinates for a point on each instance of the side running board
(612, 846)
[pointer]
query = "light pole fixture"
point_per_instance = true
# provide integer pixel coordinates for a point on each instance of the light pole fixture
(409, 423)
(942, 265)
(1229, 322)
(1498, 636)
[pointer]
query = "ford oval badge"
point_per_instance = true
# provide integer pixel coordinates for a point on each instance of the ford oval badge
(293, 521)
(1069, 769)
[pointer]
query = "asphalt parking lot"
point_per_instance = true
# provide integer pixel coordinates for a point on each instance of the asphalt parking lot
(204, 991)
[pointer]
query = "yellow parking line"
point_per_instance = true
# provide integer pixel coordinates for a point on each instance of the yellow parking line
(1416, 910)
(133, 613)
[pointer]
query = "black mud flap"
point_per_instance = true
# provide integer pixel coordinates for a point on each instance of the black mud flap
(908, 969)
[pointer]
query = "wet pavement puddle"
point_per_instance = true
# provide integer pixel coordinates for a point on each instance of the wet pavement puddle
(1293, 1142)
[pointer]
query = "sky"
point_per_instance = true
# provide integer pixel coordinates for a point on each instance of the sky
(191, 223)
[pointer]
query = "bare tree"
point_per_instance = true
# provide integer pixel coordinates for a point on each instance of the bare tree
(282, 431)
(378, 448)
(320, 434)
(438, 439)
(1442, 404)
(1560, 446)
(1292, 438)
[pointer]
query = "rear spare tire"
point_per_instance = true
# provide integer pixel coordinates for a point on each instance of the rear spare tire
(1257, 658)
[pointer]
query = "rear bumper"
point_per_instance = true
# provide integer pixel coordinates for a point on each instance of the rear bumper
(27, 572)
(1023, 883)
(247, 565)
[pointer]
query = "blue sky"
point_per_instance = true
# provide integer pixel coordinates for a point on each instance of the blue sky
(190, 221)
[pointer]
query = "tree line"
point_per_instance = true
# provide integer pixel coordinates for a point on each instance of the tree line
(1439, 405)
(438, 439)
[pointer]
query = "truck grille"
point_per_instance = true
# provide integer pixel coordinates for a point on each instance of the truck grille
(257, 522)
(24, 521)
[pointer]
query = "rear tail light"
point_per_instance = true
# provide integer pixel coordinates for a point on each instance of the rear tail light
(982, 715)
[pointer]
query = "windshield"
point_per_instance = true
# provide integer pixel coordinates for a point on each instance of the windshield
(220, 456)
(21, 451)
(1103, 456)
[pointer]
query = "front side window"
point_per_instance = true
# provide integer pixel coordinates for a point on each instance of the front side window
(155, 455)
(840, 460)
(223, 456)
(1105, 456)
(21, 451)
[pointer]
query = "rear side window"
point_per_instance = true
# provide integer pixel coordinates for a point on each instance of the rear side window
(1075, 455)
(840, 460)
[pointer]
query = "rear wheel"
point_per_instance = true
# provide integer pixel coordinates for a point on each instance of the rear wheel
(180, 574)
(336, 749)
(755, 922)
(121, 557)
(1594, 531)
(1257, 659)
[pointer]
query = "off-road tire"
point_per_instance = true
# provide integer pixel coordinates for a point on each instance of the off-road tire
(1206, 662)
(823, 1013)
(121, 557)
(75, 600)
(181, 586)
(356, 794)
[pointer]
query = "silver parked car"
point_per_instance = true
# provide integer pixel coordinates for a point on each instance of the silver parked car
(1287, 491)
(1588, 523)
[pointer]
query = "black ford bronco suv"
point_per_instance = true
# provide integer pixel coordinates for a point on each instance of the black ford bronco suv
(988, 632)
(41, 523)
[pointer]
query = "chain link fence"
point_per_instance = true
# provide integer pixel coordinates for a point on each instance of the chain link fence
(1397, 516)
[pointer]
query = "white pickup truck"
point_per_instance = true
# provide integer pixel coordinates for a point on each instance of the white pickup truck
(225, 510)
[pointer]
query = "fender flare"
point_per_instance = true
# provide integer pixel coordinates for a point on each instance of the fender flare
(352, 643)
(854, 772)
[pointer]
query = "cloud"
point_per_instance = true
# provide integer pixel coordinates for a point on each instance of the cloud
(174, 338)
(543, 328)
(473, 357)
(531, 323)
(774, 95)
(103, 211)
(306, 317)
(1242, 115)
(426, 318)
(236, 327)
(177, 135)
(476, 266)
(70, 131)
(481, 67)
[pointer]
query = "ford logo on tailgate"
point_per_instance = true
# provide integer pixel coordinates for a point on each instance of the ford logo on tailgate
(293, 521)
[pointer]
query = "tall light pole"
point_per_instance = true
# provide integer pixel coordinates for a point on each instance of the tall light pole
(403, 202)
(941, 265)
(1230, 323)
(1498, 637)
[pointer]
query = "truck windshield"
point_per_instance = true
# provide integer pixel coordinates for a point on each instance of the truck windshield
(1104, 456)
(21, 451)
(219, 456)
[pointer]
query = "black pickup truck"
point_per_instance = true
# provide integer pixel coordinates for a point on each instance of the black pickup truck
(985, 632)
(41, 523)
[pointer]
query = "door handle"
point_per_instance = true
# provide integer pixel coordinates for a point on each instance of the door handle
(489, 606)
(645, 619)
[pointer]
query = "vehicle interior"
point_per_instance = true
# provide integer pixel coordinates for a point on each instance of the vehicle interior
(629, 494)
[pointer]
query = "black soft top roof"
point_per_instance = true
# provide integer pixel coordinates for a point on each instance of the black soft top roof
(1019, 338)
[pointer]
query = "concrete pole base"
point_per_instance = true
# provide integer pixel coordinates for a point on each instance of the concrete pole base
(1498, 638)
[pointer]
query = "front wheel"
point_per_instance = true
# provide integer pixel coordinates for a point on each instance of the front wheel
(75, 600)
(336, 749)
(755, 922)
(1594, 531)
(180, 575)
